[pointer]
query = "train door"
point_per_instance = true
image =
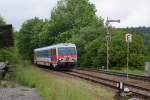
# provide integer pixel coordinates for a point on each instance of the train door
(53, 55)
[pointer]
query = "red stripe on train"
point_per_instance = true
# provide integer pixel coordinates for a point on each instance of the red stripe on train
(72, 56)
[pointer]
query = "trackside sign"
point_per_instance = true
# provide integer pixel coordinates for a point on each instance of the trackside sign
(128, 37)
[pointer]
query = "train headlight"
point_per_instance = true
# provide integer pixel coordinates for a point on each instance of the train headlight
(74, 60)
(60, 59)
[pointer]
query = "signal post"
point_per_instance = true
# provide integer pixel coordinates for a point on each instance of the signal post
(128, 40)
(108, 38)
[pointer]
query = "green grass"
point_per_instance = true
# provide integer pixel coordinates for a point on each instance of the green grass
(130, 70)
(52, 87)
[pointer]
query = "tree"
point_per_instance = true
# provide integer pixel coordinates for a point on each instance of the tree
(2, 22)
(119, 49)
(94, 52)
(69, 16)
(28, 36)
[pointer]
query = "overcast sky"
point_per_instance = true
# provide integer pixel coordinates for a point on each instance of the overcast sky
(130, 12)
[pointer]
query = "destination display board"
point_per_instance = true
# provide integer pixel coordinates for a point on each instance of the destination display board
(6, 37)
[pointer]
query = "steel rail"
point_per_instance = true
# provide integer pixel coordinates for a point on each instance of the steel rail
(143, 92)
(131, 76)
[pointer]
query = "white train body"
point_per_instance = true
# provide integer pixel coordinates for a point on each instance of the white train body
(63, 54)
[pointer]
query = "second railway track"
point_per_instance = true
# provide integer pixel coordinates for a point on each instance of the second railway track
(142, 90)
(132, 76)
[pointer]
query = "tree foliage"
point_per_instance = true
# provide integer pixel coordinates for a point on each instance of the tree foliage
(2, 22)
(28, 37)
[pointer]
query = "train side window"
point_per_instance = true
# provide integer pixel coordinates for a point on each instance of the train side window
(49, 53)
(43, 53)
(46, 53)
(38, 54)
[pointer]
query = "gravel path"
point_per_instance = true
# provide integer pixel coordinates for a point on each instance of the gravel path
(17, 92)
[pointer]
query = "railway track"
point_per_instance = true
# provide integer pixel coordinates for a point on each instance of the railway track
(134, 88)
(132, 76)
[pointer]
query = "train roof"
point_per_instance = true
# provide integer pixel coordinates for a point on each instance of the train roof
(55, 46)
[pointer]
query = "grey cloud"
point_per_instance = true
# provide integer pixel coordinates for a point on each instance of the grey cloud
(17, 11)
(130, 12)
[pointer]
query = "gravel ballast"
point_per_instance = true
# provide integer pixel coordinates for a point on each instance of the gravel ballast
(9, 91)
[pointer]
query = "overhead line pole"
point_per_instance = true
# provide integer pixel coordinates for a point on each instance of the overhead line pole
(108, 38)
(107, 42)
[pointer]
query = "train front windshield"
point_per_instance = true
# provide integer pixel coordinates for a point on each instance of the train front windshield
(67, 51)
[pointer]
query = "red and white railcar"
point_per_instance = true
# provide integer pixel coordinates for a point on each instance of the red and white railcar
(59, 55)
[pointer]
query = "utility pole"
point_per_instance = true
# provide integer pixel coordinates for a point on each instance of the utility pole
(108, 38)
